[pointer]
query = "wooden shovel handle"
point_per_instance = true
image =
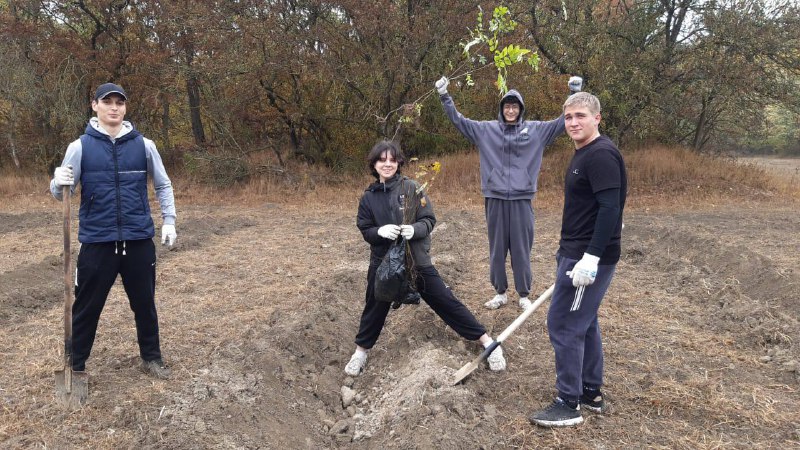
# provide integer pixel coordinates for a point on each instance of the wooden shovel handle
(522, 317)
(68, 289)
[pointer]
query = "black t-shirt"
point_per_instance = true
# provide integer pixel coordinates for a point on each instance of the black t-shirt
(594, 168)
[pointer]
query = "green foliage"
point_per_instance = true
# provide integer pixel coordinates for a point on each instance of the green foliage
(500, 26)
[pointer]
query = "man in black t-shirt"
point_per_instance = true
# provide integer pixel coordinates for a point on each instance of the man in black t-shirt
(594, 197)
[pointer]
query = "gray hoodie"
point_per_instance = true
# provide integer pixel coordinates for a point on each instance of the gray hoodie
(510, 153)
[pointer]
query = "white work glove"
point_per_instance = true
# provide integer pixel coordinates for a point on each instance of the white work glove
(407, 231)
(390, 231)
(63, 176)
(584, 271)
(575, 84)
(441, 85)
(168, 235)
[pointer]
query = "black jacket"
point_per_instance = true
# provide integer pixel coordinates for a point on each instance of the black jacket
(382, 204)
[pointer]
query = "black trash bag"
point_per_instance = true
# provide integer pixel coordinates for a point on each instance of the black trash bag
(411, 298)
(391, 282)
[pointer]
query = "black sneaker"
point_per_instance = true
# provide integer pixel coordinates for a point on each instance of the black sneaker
(594, 404)
(156, 368)
(558, 414)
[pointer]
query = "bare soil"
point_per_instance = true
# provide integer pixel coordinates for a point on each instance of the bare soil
(259, 307)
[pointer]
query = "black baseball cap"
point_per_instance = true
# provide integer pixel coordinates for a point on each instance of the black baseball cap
(104, 90)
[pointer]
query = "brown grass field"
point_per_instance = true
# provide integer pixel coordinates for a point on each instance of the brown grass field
(260, 299)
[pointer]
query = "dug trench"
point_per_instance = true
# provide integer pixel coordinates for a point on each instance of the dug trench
(259, 307)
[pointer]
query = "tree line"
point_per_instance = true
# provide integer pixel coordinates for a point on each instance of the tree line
(320, 81)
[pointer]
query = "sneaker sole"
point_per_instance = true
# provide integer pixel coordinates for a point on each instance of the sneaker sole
(558, 423)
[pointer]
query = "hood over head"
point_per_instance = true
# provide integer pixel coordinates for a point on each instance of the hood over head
(512, 96)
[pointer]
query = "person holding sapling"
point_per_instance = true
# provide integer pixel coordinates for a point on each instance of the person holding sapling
(510, 150)
(380, 214)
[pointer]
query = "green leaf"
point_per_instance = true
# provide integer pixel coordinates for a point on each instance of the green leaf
(501, 83)
(533, 61)
(499, 12)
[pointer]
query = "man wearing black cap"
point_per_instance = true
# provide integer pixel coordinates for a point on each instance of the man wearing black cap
(112, 161)
(510, 150)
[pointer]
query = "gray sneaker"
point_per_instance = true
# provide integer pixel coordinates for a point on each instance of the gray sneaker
(156, 369)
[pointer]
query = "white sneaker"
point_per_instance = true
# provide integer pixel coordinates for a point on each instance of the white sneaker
(524, 303)
(497, 362)
(356, 364)
(498, 301)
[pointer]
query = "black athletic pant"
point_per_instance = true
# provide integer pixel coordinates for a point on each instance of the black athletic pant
(438, 296)
(98, 266)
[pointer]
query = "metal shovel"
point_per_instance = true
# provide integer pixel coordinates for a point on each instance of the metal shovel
(72, 387)
(470, 367)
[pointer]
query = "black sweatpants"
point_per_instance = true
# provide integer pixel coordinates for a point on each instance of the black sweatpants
(435, 293)
(98, 266)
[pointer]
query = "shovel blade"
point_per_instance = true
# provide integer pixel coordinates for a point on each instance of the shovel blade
(465, 371)
(72, 388)
(470, 367)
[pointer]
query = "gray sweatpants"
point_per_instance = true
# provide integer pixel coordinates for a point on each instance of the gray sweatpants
(575, 332)
(510, 224)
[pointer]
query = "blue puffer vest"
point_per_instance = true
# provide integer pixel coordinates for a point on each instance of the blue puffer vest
(114, 204)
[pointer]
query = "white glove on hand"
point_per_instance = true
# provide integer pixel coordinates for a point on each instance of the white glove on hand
(63, 176)
(168, 235)
(441, 85)
(585, 270)
(407, 231)
(390, 231)
(575, 84)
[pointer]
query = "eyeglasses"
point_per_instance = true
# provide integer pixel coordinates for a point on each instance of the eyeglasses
(511, 107)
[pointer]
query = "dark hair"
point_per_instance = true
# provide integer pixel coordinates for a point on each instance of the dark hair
(390, 147)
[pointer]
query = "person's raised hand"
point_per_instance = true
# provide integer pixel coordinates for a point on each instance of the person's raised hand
(390, 231)
(575, 84)
(441, 85)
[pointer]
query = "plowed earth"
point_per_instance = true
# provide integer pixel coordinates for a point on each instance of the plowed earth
(259, 307)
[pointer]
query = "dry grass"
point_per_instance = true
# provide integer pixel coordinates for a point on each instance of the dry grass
(662, 177)
(12, 185)
(659, 177)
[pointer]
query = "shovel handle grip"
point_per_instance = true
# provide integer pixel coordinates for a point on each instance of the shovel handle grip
(488, 350)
